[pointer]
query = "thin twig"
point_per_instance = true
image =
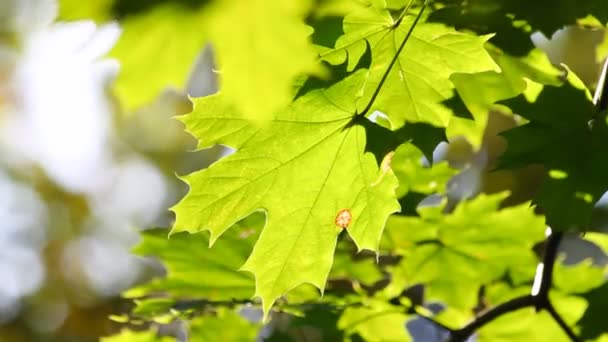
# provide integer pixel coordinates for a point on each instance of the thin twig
(462, 334)
(539, 300)
(560, 321)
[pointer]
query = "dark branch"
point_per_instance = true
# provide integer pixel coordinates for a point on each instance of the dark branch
(462, 334)
(540, 300)
(548, 263)
(562, 324)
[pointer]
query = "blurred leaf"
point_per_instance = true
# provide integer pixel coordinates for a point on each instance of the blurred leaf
(320, 323)
(262, 47)
(157, 50)
(136, 336)
(600, 239)
(579, 278)
(575, 173)
(407, 163)
(338, 7)
(226, 325)
(480, 91)
(376, 322)
(454, 254)
(365, 271)
(593, 322)
(151, 307)
(98, 10)
(506, 16)
(194, 269)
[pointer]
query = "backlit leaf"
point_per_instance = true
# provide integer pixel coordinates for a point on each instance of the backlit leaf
(307, 165)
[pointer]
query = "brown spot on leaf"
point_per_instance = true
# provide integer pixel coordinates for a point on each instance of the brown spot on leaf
(343, 218)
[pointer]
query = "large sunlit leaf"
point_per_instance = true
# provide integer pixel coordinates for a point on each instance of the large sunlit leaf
(305, 168)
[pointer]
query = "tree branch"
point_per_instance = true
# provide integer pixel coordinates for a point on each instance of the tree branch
(462, 334)
(560, 321)
(547, 265)
(539, 298)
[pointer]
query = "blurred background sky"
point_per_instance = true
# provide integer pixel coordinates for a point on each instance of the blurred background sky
(80, 175)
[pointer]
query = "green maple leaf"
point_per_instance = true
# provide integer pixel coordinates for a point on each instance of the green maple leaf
(195, 270)
(453, 254)
(136, 336)
(346, 266)
(99, 11)
(564, 136)
(377, 321)
(419, 80)
(225, 325)
(305, 167)
(414, 176)
(262, 47)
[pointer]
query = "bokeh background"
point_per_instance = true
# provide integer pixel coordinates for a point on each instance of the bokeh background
(80, 173)
(86, 164)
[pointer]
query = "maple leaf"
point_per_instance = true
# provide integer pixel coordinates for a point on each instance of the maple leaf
(566, 136)
(377, 321)
(308, 164)
(419, 80)
(136, 336)
(414, 176)
(475, 243)
(194, 270)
